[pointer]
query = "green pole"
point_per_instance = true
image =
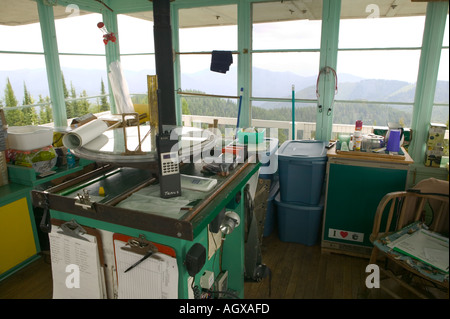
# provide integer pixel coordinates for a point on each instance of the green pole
(55, 83)
(293, 112)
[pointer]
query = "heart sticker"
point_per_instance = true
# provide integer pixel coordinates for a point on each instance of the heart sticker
(344, 234)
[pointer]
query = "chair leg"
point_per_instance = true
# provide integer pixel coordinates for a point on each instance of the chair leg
(373, 256)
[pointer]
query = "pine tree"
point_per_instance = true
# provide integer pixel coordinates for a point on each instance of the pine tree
(13, 117)
(185, 107)
(104, 106)
(29, 113)
(74, 104)
(83, 105)
(45, 114)
(69, 110)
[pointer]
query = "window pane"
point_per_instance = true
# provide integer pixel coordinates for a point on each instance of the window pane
(275, 73)
(287, 25)
(23, 69)
(440, 112)
(395, 65)
(196, 75)
(135, 69)
(205, 29)
(80, 34)
(25, 38)
(208, 39)
(208, 28)
(279, 115)
(381, 82)
(136, 35)
(381, 33)
(83, 76)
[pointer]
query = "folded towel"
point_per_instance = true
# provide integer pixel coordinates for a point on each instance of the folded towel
(221, 61)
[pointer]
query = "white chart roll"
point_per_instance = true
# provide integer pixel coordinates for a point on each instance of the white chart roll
(84, 134)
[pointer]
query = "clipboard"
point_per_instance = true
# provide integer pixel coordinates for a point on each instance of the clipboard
(155, 277)
(77, 261)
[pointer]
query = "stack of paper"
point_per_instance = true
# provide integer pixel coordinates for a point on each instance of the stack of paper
(428, 247)
(153, 278)
(76, 269)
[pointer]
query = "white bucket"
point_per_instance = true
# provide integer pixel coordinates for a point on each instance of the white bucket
(27, 138)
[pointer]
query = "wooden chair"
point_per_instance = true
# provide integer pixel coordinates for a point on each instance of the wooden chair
(395, 212)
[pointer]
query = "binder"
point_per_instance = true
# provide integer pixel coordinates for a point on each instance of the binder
(155, 277)
(77, 261)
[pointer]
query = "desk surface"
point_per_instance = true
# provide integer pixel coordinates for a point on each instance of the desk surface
(183, 226)
(376, 157)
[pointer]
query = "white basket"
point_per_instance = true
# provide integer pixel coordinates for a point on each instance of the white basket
(27, 138)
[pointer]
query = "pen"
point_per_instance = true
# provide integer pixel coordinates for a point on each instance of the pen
(140, 260)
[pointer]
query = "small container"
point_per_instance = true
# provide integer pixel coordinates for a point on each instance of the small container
(351, 143)
(393, 143)
(358, 139)
(251, 136)
(70, 159)
(28, 138)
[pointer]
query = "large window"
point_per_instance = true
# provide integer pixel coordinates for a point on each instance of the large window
(137, 52)
(441, 97)
(82, 59)
(23, 78)
(201, 31)
(378, 61)
(286, 39)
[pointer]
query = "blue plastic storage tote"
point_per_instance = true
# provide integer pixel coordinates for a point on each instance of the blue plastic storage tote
(301, 169)
(299, 223)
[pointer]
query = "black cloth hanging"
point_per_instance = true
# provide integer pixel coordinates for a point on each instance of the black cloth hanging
(221, 61)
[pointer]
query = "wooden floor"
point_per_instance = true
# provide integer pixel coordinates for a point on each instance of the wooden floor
(298, 272)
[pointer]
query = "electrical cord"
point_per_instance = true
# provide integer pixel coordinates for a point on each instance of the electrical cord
(195, 289)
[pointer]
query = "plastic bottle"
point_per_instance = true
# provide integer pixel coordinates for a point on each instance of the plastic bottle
(70, 159)
(351, 143)
(357, 136)
(358, 139)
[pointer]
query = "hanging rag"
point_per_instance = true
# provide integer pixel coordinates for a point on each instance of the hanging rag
(221, 61)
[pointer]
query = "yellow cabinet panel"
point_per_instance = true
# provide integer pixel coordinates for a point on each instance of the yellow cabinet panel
(17, 241)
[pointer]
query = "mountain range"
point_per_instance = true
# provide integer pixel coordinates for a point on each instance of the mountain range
(265, 84)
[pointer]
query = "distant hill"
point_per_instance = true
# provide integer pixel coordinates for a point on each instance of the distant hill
(265, 84)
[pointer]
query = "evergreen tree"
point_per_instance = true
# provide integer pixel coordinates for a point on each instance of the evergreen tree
(74, 104)
(13, 117)
(69, 111)
(45, 114)
(104, 105)
(29, 113)
(83, 105)
(185, 107)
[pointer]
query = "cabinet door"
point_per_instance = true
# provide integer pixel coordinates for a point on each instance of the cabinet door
(353, 195)
(17, 241)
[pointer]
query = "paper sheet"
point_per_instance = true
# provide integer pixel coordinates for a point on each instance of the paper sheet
(425, 246)
(84, 134)
(148, 200)
(66, 251)
(151, 279)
